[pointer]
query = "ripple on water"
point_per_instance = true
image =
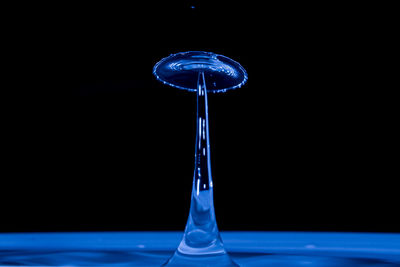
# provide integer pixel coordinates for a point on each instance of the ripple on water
(156, 258)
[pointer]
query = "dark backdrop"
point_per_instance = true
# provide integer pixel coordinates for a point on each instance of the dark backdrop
(93, 142)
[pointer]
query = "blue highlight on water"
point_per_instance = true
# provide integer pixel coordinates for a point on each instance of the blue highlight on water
(181, 70)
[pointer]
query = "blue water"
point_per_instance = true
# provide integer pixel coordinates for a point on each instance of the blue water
(201, 72)
(285, 249)
(181, 71)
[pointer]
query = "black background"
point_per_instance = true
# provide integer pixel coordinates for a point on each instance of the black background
(93, 142)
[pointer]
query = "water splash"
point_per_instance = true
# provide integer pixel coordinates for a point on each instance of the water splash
(180, 70)
(201, 244)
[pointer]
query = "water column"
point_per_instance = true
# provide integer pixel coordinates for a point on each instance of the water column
(201, 233)
(201, 244)
(201, 72)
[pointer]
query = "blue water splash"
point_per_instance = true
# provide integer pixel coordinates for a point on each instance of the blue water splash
(181, 70)
(198, 71)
